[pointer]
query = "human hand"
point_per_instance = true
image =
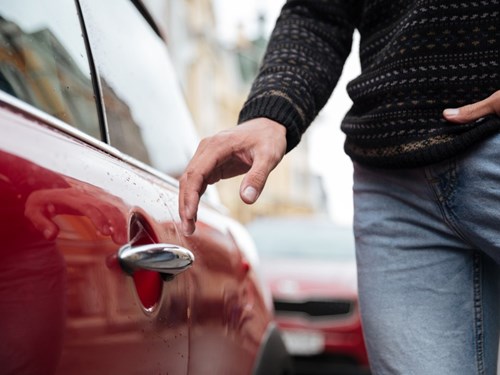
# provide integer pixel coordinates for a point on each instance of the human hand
(474, 111)
(102, 210)
(254, 147)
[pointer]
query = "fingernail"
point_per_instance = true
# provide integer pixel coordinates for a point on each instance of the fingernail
(250, 194)
(186, 229)
(451, 112)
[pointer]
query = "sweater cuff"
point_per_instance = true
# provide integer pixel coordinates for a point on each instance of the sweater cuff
(278, 109)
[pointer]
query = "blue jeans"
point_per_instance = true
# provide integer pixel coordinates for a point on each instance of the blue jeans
(428, 252)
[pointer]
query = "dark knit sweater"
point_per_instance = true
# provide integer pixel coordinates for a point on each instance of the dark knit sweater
(418, 57)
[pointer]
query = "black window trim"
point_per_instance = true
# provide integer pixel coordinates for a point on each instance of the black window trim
(148, 17)
(17, 105)
(94, 71)
(103, 145)
(96, 83)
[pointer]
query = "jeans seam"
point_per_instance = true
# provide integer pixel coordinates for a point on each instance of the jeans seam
(443, 193)
(450, 191)
(478, 314)
(442, 196)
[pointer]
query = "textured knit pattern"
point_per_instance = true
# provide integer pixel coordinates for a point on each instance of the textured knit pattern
(418, 57)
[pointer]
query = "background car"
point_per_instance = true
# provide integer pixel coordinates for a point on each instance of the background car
(95, 277)
(310, 266)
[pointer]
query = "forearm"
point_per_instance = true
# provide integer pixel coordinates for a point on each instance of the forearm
(303, 63)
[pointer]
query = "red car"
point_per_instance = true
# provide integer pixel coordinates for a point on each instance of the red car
(310, 266)
(94, 275)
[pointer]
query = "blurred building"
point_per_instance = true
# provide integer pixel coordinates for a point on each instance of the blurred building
(216, 80)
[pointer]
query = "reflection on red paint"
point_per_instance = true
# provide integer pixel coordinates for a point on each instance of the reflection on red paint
(148, 285)
(245, 266)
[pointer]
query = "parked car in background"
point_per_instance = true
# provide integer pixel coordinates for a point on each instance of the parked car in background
(94, 275)
(310, 266)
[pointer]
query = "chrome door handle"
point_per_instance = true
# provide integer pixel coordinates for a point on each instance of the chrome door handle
(169, 260)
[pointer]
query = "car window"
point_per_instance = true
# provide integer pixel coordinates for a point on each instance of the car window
(146, 115)
(43, 60)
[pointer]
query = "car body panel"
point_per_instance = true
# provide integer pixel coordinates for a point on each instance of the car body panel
(99, 315)
(70, 201)
(93, 316)
(95, 307)
(228, 315)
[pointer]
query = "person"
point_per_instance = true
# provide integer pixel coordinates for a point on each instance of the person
(423, 136)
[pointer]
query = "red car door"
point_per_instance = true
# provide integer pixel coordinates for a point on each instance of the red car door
(147, 119)
(66, 302)
(69, 203)
(94, 275)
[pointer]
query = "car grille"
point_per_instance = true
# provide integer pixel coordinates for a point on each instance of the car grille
(314, 308)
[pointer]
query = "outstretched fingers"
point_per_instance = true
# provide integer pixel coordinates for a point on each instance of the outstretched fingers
(192, 185)
(187, 199)
(199, 173)
(253, 148)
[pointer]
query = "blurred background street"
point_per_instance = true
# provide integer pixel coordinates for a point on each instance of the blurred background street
(216, 47)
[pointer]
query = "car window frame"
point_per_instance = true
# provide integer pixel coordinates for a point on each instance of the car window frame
(52, 119)
(63, 127)
(94, 79)
(96, 83)
(210, 198)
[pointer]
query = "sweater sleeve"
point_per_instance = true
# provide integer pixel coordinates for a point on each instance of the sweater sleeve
(302, 64)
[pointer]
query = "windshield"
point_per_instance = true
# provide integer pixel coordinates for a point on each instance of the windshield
(318, 240)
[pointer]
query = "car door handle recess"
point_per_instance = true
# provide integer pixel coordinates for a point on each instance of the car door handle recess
(169, 260)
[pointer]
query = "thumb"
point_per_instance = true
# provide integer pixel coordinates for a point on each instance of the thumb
(474, 111)
(254, 181)
(265, 156)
